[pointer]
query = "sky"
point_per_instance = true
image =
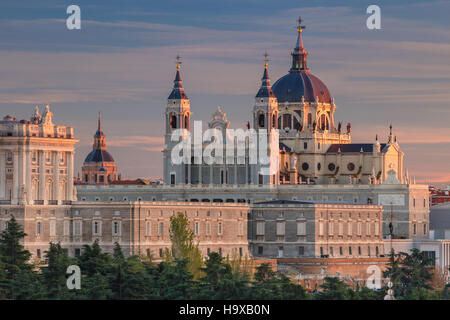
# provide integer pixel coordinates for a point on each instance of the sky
(122, 64)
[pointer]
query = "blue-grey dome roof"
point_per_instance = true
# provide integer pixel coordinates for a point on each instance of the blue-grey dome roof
(293, 86)
(98, 156)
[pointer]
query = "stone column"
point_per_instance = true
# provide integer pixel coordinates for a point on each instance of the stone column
(189, 172)
(41, 175)
(56, 193)
(15, 187)
(235, 172)
(2, 174)
(211, 171)
(70, 176)
(28, 176)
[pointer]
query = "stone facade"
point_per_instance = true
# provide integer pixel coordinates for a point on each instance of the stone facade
(291, 229)
(139, 227)
(36, 161)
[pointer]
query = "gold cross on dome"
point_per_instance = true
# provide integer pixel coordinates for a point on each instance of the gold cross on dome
(300, 27)
(178, 61)
(266, 59)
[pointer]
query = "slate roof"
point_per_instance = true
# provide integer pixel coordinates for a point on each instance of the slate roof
(97, 156)
(354, 147)
(293, 86)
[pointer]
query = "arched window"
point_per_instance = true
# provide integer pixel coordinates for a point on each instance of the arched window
(287, 119)
(173, 121)
(323, 122)
(261, 120)
(274, 121)
(186, 122)
(309, 119)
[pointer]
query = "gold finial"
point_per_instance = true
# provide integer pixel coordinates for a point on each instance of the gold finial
(178, 61)
(299, 26)
(266, 59)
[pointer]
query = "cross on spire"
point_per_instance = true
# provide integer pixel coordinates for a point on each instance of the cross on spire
(299, 26)
(266, 59)
(178, 61)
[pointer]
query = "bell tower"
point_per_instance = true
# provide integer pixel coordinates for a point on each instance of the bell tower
(265, 110)
(177, 116)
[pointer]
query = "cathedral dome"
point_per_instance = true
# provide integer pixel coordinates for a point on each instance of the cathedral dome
(293, 86)
(299, 83)
(98, 156)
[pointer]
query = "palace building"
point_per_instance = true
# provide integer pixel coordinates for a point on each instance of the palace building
(318, 196)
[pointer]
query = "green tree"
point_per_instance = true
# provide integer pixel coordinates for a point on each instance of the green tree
(184, 245)
(13, 256)
(129, 276)
(93, 260)
(334, 289)
(411, 274)
(174, 282)
(270, 285)
(54, 274)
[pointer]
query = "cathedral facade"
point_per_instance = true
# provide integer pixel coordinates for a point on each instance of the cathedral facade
(297, 114)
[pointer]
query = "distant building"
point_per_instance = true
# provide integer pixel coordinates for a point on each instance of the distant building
(440, 221)
(99, 166)
(439, 196)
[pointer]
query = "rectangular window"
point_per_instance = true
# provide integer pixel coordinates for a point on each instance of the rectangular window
(367, 228)
(377, 229)
(52, 228)
(260, 250)
(330, 228)
(301, 228)
(341, 229)
(208, 228)
(38, 228)
(77, 228)
(77, 252)
(148, 228)
(321, 229)
(414, 228)
(280, 228)
(350, 250)
(341, 251)
(116, 228)
(331, 251)
(359, 231)
(38, 253)
(301, 251)
(260, 228)
(66, 228)
(161, 229)
(96, 228)
(196, 229)
(219, 228)
(349, 228)
(241, 229)
(425, 228)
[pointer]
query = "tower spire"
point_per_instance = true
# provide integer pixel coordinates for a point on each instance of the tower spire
(99, 122)
(265, 90)
(299, 53)
(178, 90)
